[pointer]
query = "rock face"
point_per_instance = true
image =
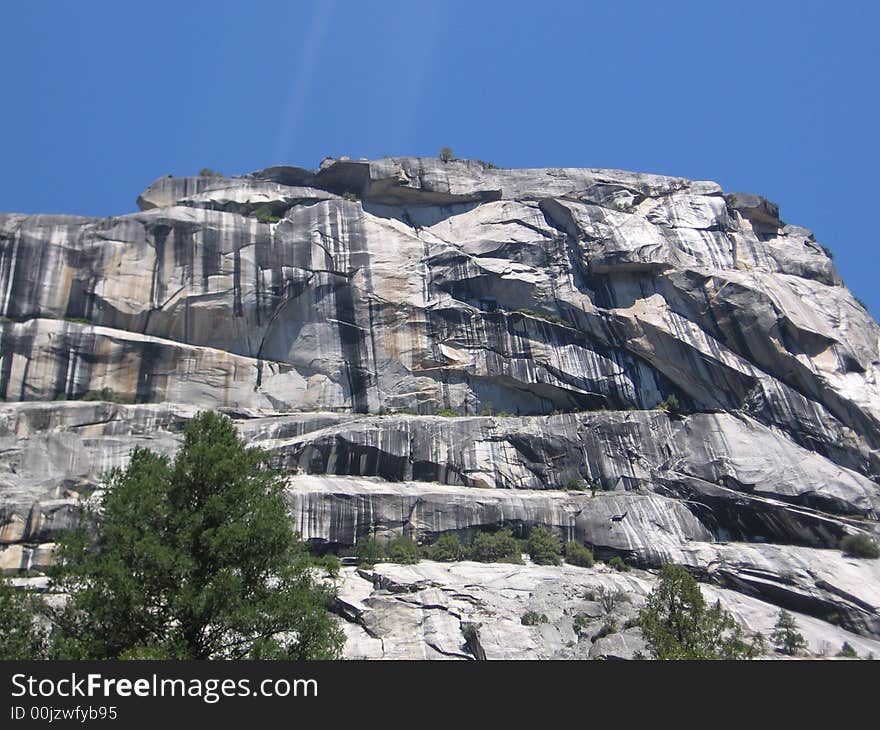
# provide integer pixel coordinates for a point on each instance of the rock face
(687, 354)
(475, 611)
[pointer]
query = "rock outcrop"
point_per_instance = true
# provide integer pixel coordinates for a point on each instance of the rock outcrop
(475, 611)
(436, 346)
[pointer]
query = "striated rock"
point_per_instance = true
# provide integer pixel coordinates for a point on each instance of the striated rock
(685, 354)
(166, 191)
(474, 610)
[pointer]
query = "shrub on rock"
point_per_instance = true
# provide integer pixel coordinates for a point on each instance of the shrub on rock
(496, 547)
(543, 547)
(860, 546)
(446, 549)
(577, 554)
(403, 550)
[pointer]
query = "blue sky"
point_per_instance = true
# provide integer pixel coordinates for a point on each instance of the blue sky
(100, 98)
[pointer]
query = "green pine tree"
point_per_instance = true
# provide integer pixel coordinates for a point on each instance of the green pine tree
(543, 548)
(193, 558)
(20, 634)
(447, 548)
(785, 635)
(677, 624)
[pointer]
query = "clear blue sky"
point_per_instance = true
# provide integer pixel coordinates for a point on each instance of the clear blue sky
(100, 98)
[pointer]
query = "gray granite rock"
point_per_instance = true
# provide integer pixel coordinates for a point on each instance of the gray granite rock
(333, 312)
(474, 610)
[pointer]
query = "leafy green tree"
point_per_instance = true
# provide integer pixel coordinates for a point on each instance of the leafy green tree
(847, 651)
(577, 554)
(785, 635)
(496, 547)
(543, 548)
(617, 563)
(369, 551)
(20, 635)
(193, 558)
(403, 550)
(446, 154)
(447, 548)
(677, 624)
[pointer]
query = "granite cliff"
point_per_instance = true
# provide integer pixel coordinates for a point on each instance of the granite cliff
(684, 351)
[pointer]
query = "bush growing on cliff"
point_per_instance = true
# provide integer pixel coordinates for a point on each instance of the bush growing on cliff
(677, 624)
(446, 154)
(617, 563)
(669, 404)
(577, 554)
(555, 319)
(104, 394)
(533, 618)
(192, 558)
(543, 548)
(403, 550)
(369, 551)
(446, 549)
(860, 546)
(607, 628)
(208, 172)
(264, 215)
(496, 547)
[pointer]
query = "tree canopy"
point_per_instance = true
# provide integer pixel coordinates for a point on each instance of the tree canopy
(192, 558)
(543, 547)
(677, 624)
(20, 636)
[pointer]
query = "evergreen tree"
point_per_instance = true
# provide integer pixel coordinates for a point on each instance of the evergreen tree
(543, 548)
(496, 547)
(403, 550)
(786, 636)
(447, 548)
(369, 551)
(677, 624)
(193, 558)
(20, 634)
(578, 554)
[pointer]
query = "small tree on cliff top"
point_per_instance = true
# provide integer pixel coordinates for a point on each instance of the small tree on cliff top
(193, 558)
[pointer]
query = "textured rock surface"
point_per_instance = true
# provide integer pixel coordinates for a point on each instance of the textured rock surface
(331, 313)
(426, 611)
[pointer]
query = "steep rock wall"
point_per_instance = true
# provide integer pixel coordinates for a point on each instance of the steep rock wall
(332, 313)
